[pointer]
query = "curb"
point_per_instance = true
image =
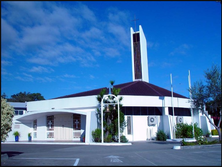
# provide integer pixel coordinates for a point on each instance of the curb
(71, 143)
(194, 147)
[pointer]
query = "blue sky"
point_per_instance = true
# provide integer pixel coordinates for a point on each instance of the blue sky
(61, 48)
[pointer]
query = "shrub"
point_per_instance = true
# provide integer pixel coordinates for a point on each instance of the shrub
(183, 130)
(123, 139)
(16, 133)
(208, 134)
(214, 132)
(197, 131)
(184, 143)
(161, 136)
(108, 138)
(96, 135)
(200, 141)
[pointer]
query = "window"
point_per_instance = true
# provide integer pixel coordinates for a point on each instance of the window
(16, 112)
(180, 111)
(50, 126)
(142, 110)
(50, 123)
(50, 134)
(35, 125)
(137, 110)
(127, 110)
(137, 56)
(21, 112)
(76, 122)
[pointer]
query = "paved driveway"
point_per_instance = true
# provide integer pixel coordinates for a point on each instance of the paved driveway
(154, 153)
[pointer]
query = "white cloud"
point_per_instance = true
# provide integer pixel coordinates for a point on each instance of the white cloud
(118, 17)
(111, 52)
(152, 64)
(44, 79)
(181, 50)
(69, 76)
(6, 63)
(120, 34)
(39, 36)
(86, 13)
(91, 77)
(54, 33)
(8, 35)
(93, 33)
(152, 44)
(41, 69)
(5, 72)
(166, 65)
(25, 77)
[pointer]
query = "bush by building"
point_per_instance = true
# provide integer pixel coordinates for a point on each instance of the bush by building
(161, 136)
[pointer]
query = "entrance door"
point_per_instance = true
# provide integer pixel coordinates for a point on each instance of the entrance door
(63, 127)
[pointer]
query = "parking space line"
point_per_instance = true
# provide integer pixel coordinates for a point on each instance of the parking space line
(146, 159)
(49, 158)
(76, 162)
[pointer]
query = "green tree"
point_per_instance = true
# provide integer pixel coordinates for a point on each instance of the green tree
(23, 97)
(110, 121)
(7, 114)
(4, 96)
(208, 94)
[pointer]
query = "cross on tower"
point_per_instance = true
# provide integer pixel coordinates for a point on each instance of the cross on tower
(135, 21)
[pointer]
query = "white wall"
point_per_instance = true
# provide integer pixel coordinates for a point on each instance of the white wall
(141, 131)
(41, 129)
(177, 102)
(132, 53)
(22, 128)
(157, 101)
(92, 126)
(206, 126)
(166, 125)
(64, 103)
(139, 128)
(144, 59)
(141, 101)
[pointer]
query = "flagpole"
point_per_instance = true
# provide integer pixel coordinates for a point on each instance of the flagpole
(172, 104)
(191, 101)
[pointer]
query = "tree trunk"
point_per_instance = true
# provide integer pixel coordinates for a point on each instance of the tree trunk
(216, 127)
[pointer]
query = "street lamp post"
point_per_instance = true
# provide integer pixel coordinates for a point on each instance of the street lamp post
(112, 103)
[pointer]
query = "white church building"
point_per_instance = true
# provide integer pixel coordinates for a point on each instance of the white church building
(147, 108)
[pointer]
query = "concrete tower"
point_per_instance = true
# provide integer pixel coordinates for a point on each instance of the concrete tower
(139, 55)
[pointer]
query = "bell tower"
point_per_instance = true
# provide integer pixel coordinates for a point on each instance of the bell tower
(139, 55)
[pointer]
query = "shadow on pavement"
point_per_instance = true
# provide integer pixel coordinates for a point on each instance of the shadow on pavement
(165, 142)
(11, 153)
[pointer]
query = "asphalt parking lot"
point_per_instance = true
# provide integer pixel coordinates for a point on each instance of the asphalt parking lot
(149, 153)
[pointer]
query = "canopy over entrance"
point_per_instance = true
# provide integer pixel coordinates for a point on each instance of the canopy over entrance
(36, 114)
